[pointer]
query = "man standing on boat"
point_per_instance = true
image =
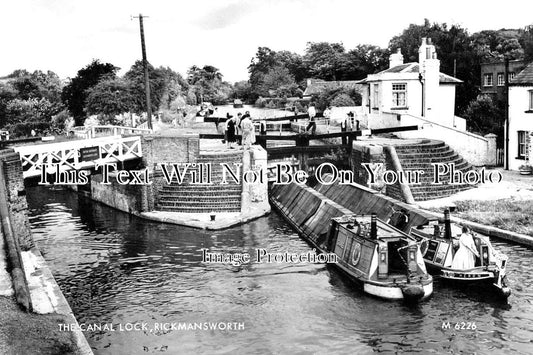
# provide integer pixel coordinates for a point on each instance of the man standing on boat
(465, 257)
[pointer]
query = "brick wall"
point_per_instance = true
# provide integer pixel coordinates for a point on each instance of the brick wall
(177, 149)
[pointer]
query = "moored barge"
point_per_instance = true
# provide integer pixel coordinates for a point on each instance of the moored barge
(440, 244)
(386, 262)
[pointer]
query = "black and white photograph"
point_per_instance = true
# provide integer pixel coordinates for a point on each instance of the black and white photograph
(266, 177)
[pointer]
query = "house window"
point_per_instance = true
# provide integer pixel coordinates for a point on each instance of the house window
(399, 95)
(487, 79)
(530, 92)
(501, 81)
(522, 144)
(510, 76)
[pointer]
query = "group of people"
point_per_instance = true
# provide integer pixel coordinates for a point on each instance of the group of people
(240, 125)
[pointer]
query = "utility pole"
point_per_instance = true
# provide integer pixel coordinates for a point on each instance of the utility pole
(146, 77)
(506, 129)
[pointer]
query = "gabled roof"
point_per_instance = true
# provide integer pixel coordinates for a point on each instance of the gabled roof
(525, 77)
(414, 68)
(315, 86)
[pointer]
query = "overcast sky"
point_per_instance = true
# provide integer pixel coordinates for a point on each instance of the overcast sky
(65, 35)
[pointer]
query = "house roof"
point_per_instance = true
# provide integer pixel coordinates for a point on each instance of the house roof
(525, 77)
(315, 86)
(414, 68)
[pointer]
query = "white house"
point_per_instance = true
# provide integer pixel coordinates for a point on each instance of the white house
(520, 124)
(419, 89)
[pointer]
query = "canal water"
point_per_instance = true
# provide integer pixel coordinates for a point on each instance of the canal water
(120, 271)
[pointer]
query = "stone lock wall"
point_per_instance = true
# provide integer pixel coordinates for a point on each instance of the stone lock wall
(366, 154)
(128, 198)
(18, 207)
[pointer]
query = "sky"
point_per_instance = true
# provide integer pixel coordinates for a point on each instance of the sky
(66, 35)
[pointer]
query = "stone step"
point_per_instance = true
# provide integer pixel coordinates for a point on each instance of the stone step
(200, 192)
(441, 154)
(460, 164)
(204, 206)
(426, 144)
(199, 201)
(201, 187)
(199, 210)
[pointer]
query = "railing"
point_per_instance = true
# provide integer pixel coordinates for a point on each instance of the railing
(107, 130)
(80, 154)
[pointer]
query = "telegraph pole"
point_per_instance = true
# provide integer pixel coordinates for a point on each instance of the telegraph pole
(146, 77)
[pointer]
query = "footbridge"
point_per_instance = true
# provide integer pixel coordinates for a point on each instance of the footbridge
(78, 154)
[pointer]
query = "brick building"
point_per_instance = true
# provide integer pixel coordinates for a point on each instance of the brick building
(492, 76)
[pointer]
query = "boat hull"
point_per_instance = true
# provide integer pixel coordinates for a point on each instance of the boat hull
(477, 277)
(388, 290)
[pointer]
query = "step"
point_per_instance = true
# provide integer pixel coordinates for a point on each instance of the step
(197, 210)
(168, 190)
(199, 202)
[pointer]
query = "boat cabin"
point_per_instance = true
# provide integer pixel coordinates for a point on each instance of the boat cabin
(373, 249)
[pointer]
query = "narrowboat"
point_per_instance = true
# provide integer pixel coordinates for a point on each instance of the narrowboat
(237, 103)
(384, 260)
(439, 244)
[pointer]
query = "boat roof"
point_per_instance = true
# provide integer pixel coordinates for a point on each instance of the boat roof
(385, 230)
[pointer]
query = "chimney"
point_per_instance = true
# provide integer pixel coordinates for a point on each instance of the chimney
(373, 227)
(429, 70)
(396, 59)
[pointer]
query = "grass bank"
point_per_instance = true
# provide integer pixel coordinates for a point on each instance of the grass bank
(29, 333)
(509, 214)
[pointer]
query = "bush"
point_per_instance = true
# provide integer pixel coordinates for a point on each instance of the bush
(342, 100)
(58, 124)
(23, 129)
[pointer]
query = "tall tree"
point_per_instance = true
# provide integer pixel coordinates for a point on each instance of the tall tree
(526, 41)
(279, 82)
(74, 94)
(207, 85)
(363, 60)
(108, 98)
(325, 60)
(135, 76)
(454, 52)
(264, 60)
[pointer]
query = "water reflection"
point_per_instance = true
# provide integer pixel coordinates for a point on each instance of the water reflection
(114, 268)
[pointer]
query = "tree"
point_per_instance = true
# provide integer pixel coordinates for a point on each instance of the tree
(207, 85)
(363, 60)
(325, 60)
(174, 86)
(7, 93)
(108, 98)
(74, 95)
(526, 41)
(484, 116)
(455, 52)
(278, 82)
(157, 79)
(243, 90)
(294, 64)
(264, 60)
